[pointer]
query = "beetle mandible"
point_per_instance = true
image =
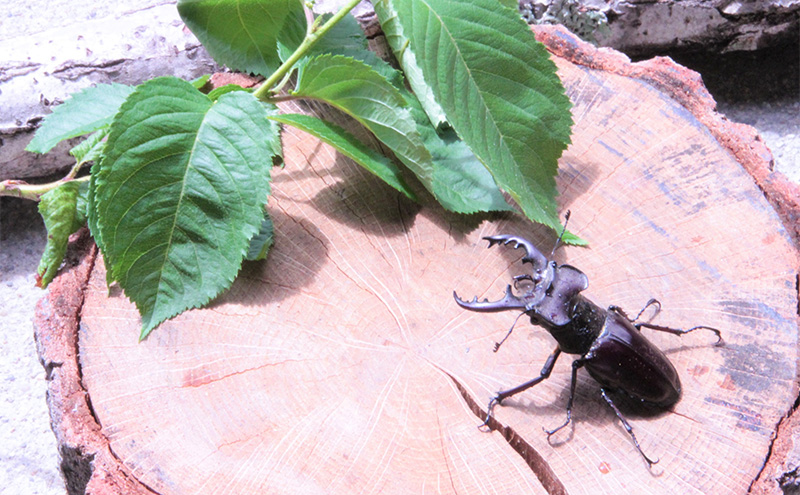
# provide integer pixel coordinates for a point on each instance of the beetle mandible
(611, 345)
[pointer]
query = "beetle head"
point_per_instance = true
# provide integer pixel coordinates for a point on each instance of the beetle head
(545, 294)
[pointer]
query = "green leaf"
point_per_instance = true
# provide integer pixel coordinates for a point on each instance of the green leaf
(499, 90)
(405, 56)
(351, 147)
(361, 92)
(347, 38)
(457, 179)
(85, 111)
(261, 243)
(180, 193)
(82, 204)
(275, 145)
(246, 35)
(215, 93)
(91, 148)
(461, 182)
(62, 216)
(201, 81)
(511, 4)
(91, 214)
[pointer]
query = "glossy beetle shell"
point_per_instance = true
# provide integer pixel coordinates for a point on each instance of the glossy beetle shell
(622, 358)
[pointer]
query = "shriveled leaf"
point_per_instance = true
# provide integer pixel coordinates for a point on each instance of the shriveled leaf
(246, 35)
(358, 90)
(85, 111)
(261, 242)
(351, 147)
(499, 90)
(180, 193)
(405, 56)
(62, 216)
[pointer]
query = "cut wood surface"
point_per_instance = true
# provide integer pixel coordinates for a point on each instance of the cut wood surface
(343, 365)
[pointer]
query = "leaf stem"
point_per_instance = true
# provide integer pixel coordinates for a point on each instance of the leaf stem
(73, 172)
(266, 89)
(280, 85)
(34, 192)
(280, 98)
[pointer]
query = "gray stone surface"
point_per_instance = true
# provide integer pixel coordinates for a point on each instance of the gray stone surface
(646, 28)
(129, 44)
(28, 452)
(28, 456)
(778, 123)
(725, 25)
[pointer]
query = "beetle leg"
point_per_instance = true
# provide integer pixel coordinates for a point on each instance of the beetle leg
(543, 375)
(578, 363)
(661, 328)
(489, 410)
(651, 302)
(498, 344)
(627, 426)
(678, 331)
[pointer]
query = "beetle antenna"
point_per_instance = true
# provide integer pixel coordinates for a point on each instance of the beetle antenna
(560, 236)
(498, 344)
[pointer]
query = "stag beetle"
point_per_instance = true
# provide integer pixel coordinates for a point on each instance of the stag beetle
(610, 344)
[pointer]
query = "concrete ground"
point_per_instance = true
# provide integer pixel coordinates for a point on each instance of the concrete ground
(28, 455)
(769, 100)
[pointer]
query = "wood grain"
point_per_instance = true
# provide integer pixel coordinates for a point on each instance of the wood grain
(342, 364)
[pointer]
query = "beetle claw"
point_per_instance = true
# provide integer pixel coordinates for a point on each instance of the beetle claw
(649, 461)
(532, 255)
(555, 430)
(509, 301)
(489, 410)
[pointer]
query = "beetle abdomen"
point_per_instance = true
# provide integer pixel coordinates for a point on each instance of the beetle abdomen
(623, 359)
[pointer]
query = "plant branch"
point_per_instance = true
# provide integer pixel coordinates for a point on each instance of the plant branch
(264, 91)
(34, 192)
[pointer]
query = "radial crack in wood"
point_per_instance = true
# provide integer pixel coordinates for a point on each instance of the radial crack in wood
(537, 463)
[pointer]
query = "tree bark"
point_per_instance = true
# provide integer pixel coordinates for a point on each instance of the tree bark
(343, 365)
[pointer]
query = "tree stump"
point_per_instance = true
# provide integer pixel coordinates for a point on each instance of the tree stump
(343, 365)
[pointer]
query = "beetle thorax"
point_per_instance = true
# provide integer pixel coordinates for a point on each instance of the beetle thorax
(580, 332)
